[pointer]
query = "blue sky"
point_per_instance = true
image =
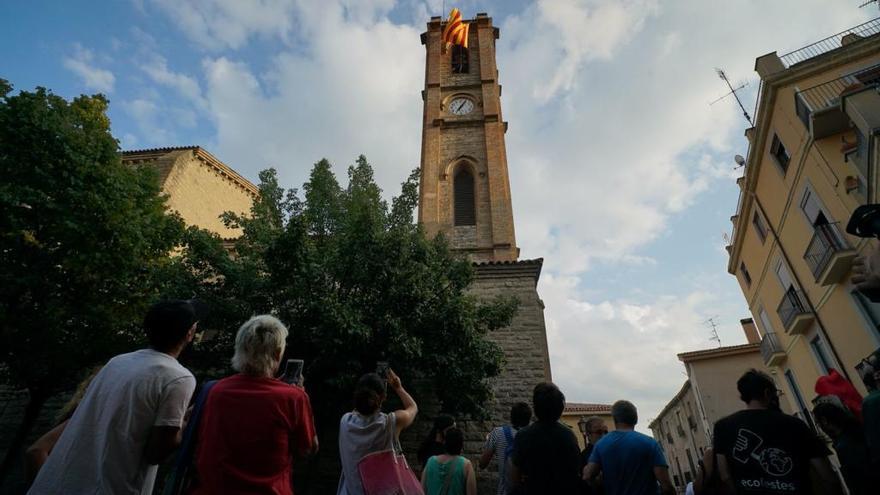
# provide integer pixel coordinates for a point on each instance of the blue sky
(621, 172)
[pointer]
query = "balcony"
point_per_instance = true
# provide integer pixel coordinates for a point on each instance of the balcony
(830, 43)
(819, 107)
(794, 312)
(829, 255)
(771, 350)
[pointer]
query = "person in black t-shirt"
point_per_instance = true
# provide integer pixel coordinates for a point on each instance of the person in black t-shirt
(761, 450)
(545, 454)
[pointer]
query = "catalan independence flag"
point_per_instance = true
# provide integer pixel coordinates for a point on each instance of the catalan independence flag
(456, 31)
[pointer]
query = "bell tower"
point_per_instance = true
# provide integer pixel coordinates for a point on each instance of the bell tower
(464, 190)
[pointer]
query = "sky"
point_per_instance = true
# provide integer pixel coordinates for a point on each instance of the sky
(622, 173)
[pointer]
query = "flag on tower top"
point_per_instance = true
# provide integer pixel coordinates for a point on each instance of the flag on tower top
(456, 31)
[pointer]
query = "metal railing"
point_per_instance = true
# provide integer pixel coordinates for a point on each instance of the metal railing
(770, 346)
(826, 242)
(830, 43)
(793, 304)
(828, 94)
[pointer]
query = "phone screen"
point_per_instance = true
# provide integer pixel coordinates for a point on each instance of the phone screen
(293, 371)
(382, 368)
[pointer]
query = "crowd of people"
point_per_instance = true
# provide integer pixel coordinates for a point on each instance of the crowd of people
(242, 433)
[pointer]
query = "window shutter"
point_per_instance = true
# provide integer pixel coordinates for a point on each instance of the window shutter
(463, 190)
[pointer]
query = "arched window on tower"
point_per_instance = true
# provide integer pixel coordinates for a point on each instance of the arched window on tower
(463, 191)
(459, 60)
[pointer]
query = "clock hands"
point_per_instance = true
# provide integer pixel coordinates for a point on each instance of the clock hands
(458, 108)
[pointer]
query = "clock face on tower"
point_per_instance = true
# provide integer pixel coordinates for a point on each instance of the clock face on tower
(461, 106)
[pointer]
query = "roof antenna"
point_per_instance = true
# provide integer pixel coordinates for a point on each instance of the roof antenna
(733, 91)
(713, 334)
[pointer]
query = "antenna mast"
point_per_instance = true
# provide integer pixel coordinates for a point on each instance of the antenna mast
(713, 333)
(733, 91)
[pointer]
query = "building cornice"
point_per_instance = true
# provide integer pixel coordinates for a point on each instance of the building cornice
(146, 155)
(731, 350)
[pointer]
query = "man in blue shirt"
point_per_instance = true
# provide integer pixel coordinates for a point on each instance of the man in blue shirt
(631, 463)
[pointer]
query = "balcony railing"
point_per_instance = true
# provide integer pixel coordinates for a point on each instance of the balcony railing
(793, 311)
(819, 107)
(830, 43)
(829, 255)
(771, 350)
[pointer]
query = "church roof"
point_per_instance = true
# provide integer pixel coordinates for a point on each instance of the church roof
(151, 154)
(581, 408)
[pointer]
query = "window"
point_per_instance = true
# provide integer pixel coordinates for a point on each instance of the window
(870, 310)
(812, 207)
(766, 327)
(459, 59)
(780, 153)
(820, 351)
(745, 274)
(759, 226)
(802, 110)
(690, 461)
(463, 190)
(802, 406)
(783, 276)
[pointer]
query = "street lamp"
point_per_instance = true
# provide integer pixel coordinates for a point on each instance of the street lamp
(582, 425)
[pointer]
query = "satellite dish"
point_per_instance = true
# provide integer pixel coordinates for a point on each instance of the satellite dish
(739, 160)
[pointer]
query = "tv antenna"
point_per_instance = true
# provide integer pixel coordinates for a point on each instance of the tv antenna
(869, 2)
(713, 334)
(733, 91)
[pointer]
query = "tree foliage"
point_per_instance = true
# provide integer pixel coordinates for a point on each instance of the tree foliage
(81, 238)
(357, 282)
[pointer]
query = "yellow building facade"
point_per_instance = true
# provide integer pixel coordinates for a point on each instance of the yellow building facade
(199, 187)
(811, 161)
(576, 413)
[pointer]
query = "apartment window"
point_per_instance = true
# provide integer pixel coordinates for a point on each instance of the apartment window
(459, 59)
(823, 357)
(802, 406)
(690, 460)
(745, 274)
(870, 310)
(812, 207)
(802, 110)
(777, 149)
(765, 321)
(758, 222)
(783, 275)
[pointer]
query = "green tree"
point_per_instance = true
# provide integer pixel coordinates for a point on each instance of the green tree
(357, 281)
(81, 238)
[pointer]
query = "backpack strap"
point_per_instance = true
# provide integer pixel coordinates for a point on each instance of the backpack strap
(508, 434)
(188, 443)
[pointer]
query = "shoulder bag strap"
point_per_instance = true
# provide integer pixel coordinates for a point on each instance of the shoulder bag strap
(188, 443)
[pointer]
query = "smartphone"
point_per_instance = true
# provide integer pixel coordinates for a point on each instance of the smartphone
(382, 368)
(293, 372)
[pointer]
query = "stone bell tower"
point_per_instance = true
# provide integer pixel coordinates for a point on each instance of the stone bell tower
(465, 191)
(464, 194)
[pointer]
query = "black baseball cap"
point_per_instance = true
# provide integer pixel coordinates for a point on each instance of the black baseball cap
(167, 322)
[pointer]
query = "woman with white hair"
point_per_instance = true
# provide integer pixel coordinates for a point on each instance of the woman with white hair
(252, 424)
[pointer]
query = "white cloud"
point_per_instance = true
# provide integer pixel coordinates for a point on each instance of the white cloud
(82, 63)
(218, 24)
(156, 68)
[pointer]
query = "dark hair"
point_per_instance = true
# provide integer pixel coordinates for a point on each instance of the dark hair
(754, 384)
(520, 415)
(369, 393)
(833, 415)
(454, 441)
(549, 401)
(167, 323)
(624, 412)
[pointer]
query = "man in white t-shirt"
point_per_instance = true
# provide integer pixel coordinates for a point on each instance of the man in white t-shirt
(131, 416)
